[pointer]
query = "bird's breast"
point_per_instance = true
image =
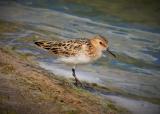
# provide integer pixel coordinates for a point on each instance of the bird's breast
(78, 59)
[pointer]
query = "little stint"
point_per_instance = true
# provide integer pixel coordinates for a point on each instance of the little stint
(77, 51)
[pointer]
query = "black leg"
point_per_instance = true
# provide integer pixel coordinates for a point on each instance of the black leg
(76, 79)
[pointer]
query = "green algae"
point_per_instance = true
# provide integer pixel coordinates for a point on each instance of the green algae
(6, 27)
(144, 12)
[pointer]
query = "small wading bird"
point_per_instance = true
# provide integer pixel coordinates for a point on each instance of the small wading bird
(77, 51)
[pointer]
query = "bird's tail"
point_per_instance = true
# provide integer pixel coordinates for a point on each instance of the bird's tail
(43, 44)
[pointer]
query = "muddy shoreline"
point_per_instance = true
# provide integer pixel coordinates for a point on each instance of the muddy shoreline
(26, 88)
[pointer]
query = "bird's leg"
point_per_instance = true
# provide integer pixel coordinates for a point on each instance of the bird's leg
(76, 79)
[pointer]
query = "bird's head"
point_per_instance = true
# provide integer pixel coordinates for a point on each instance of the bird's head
(101, 43)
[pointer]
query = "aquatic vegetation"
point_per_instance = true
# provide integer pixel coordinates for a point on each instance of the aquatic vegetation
(6, 27)
(114, 11)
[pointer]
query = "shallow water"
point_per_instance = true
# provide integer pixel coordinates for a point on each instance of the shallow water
(135, 106)
(136, 69)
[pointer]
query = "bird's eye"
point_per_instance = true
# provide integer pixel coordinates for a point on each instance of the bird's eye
(100, 43)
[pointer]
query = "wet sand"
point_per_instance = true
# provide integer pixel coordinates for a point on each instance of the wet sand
(25, 88)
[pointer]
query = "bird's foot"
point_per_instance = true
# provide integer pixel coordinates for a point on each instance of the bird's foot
(78, 84)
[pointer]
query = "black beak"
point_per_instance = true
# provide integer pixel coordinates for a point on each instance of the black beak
(111, 53)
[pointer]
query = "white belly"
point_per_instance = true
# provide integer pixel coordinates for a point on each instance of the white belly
(79, 59)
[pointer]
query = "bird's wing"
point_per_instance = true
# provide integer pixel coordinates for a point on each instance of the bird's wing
(61, 48)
